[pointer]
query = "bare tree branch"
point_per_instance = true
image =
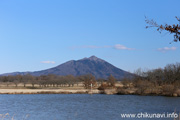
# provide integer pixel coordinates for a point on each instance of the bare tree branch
(172, 29)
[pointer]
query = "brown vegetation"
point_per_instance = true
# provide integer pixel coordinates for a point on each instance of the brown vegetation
(154, 82)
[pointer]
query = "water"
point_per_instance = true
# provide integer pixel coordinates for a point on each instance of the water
(83, 106)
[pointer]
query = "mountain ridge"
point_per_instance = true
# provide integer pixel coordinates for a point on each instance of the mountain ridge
(92, 65)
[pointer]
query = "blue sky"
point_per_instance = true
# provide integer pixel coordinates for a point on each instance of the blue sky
(40, 34)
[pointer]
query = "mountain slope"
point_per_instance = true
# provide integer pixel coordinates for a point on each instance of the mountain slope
(92, 65)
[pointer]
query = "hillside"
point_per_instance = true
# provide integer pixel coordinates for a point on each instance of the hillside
(92, 65)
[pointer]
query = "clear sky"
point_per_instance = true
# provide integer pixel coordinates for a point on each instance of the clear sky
(40, 34)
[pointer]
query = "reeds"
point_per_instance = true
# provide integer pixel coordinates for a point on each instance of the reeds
(7, 116)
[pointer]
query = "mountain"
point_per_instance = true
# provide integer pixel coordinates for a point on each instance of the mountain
(92, 65)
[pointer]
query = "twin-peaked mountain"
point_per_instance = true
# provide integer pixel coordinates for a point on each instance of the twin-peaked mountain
(92, 65)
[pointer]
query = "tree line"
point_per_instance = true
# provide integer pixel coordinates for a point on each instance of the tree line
(54, 80)
(157, 81)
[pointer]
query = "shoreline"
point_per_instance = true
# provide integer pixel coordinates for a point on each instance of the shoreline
(78, 91)
(48, 91)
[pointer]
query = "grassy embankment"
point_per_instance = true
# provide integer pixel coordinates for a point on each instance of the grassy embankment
(20, 89)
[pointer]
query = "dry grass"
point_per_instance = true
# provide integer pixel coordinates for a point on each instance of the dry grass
(7, 116)
(20, 89)
(47, 91)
